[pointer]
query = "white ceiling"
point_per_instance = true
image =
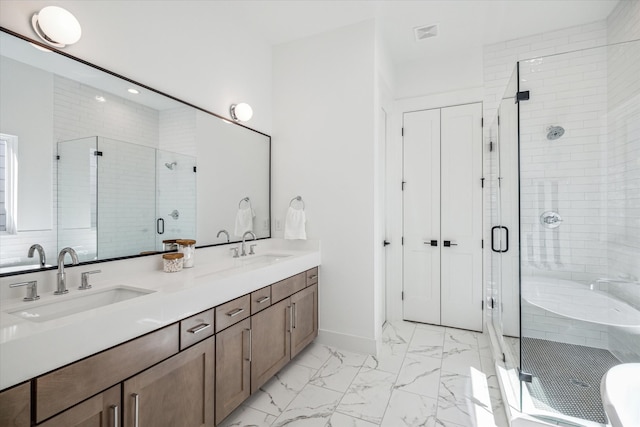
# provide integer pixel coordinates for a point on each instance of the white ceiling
(463, 24)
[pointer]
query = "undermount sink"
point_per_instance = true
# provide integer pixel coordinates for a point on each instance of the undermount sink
(68, 305)
(264, 259)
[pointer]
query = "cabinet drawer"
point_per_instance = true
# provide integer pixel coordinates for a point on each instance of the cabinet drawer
(74, 383)
(196, 328)
(15, 406)
(312, 276)
(288, 287)
(101, 410)
(232, 312)
(260, 299)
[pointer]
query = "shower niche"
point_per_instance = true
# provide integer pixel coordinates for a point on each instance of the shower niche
(116, 198)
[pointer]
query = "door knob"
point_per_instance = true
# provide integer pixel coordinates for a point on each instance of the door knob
(448, 243)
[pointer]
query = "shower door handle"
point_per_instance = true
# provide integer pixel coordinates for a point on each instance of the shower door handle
(160, 226)
(493, 247)
(506, 239)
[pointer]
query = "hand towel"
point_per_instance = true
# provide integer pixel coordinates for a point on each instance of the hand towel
(294, 224)
(244, 221)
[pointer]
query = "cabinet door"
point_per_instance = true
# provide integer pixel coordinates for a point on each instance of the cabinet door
(304, 322)
(15, 406)
(233, 368)
(176, 392)
(102, 410)
(270, 345)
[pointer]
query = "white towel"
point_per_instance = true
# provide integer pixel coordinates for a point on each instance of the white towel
(294, 224)
(244, 221)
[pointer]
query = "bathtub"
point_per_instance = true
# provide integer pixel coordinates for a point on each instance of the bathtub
(580, 302)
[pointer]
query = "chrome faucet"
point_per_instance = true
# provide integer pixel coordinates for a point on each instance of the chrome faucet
(43, 257)
(244, 249)
(225, 232)
(62, 285)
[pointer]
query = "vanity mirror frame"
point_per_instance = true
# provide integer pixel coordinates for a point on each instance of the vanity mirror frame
(267, 228)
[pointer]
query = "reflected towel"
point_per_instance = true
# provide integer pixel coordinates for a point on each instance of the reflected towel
(294, 224)
(244, 221)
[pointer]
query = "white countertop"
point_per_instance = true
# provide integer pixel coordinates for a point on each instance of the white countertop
(29, 349)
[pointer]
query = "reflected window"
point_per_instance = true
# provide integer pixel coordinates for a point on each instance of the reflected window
(8, 182)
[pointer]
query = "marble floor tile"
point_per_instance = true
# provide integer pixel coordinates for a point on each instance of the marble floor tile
(398, 332)
(342, 420)
(410, 410)
(420, 375)
(312, 407)
(459, 358)
(427, 342)
(279, 391)
(460, 336)
(453, 400)
(245, 416)
(338, 372)
(390, 358)
(368, 395)
(314, 356)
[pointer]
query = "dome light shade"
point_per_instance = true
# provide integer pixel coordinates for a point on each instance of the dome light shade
(241, 112)
(56, 26)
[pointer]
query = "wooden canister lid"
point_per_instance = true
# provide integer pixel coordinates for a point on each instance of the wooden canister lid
(185, 242)
(169, 241)
(175, 255)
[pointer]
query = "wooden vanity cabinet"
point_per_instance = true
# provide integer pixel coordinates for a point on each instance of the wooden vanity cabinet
(176, 392)
(15, 406)
(304, 320)
(102, 410)
(270, 343)
(233, 368)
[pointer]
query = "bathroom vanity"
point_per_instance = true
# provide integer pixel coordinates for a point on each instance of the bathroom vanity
(204, 340)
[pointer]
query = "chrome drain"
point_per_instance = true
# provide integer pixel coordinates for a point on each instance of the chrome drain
(579, 383)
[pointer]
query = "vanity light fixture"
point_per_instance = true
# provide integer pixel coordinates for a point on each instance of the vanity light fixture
(241, 112)
(56, 26)
(133, 91)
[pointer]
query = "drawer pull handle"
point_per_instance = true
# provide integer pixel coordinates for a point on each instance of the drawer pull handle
(234, 313)
(263, 299)
(199, 328)
(250, 345)
(114, 412)
(293, 321)
(136, 409)
(313, 276)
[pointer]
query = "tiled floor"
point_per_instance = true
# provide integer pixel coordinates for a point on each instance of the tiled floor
(423, 377)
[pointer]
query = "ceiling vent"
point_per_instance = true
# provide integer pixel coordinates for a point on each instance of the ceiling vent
(425, 32)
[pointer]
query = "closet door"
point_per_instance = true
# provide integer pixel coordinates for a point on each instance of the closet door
(461, 207)
(421, 216)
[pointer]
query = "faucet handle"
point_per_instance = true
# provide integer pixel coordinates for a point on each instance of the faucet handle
(251, 251)
(235, 255)
(84, 279)
(32, 290)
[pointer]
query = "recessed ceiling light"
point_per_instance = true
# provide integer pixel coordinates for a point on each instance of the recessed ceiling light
(100, 98)
(133, 91)
(425, 32)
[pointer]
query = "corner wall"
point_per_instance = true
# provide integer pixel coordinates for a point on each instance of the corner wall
(324, 150)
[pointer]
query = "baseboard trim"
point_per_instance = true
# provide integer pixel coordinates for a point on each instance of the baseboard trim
(347, 342)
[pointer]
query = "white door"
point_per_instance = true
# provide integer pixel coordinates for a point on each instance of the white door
(382, 188)
(421, 216)
(461, 210)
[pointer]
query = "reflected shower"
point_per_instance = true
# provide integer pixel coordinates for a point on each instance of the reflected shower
(554, 132)
(171, 165)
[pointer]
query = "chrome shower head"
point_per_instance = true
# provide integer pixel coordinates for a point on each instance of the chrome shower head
(171, 165)
(554, 132)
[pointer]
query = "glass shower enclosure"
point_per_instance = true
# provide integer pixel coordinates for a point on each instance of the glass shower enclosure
(117, 198)
(564, 212)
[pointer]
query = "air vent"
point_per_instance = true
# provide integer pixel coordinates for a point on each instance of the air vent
(425, 32)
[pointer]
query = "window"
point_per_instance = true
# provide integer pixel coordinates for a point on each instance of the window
(8, 183)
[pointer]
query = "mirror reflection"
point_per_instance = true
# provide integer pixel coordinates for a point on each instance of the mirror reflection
(87, 162)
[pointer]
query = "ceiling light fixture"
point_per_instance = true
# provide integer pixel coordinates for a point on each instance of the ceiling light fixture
(56, 26)
(241, 112)
(100, 98)
(133, 91)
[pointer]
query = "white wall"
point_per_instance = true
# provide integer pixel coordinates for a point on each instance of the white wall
(323, 150)
(208, 62)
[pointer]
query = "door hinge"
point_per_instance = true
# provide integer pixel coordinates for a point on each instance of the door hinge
(194, 169)
(402, 241)
(482, 122)
(402, 132)
(482, 305)
(57, 157)
(482, 181)
(490, 146)
(524, 376)
(498, 120)
(522, 96)
(97, 153)
(403, 183)
(402, 295)
(482, 244)
(493, 302)
(504, 358)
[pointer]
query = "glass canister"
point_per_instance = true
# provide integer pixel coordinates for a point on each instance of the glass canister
(188, 248)
(172, 263)
(169, 245)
